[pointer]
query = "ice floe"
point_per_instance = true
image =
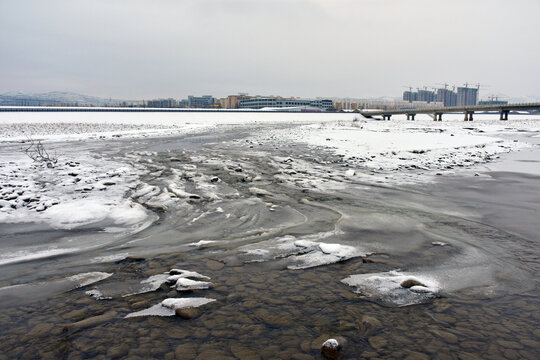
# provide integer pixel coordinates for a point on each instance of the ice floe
(300, 253)
(394, 288)
(181, 280)
(185, 284)
(169, 306)
(176, 274)
(88, 278)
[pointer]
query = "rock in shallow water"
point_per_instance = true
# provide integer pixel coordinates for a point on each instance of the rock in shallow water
(330, 349)
(168, 307)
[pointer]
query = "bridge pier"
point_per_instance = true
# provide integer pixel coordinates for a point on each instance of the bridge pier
(469, 115)
(387, 117)
(504, 114)
(411, 116)
(437, 116)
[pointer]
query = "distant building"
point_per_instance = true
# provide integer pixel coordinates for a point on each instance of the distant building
(467, 96)
(273, 102)
(233, 101)
(162, 103)
(410, 96)
(426, 95)
(199, 102)
(447, 97)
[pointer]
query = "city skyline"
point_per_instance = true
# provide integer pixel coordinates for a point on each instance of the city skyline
(305, 48)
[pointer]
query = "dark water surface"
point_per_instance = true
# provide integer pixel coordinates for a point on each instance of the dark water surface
(476, 238)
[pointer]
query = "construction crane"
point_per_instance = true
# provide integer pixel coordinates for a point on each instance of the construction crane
(443, 84)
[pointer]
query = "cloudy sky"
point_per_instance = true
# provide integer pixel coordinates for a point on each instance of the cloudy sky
(136, 49)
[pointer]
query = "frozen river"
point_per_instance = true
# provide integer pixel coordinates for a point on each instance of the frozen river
(268, 243)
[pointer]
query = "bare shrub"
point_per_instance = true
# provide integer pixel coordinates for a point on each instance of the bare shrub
(36, 151)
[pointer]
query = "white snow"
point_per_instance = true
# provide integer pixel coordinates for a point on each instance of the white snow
(16, 126)
(168, 306)
(83, 189)
(386, 151)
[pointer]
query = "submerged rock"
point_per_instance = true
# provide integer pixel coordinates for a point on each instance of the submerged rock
(90, 322)
(369, 325)
(187, 313)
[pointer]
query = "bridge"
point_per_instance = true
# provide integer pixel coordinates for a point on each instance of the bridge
(468, 111)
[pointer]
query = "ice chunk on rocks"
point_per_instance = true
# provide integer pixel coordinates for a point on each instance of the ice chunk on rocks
(338, 249)
(88, 278)
(176, 274)
(151, 284)
(185, 284)
(169, 306)
(394, 288)
(98, 295)
(323, 254)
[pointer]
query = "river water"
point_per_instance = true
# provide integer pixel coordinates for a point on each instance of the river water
(296, 254)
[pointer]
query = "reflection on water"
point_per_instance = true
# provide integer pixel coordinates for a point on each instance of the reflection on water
(295, 256)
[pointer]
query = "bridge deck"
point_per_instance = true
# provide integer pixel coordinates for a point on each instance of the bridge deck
(456, 109)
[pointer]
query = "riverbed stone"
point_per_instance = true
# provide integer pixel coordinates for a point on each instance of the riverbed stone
(300, 356)
(187, 313)
(377, 342)
(185, 351)
(243, 353)
(415, 355)
(447, 337)
(118, 351)
(39, 330)
(274, 318)
(213, 354)
(318, 342)
(509, 344)
(91, 321)
(269, 351)
(369, 325)
(75, 314)
(213, 264)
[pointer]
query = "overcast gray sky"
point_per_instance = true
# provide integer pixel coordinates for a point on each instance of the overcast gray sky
(137, 49)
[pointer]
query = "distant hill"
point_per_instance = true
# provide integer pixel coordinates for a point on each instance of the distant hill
(54, 98)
